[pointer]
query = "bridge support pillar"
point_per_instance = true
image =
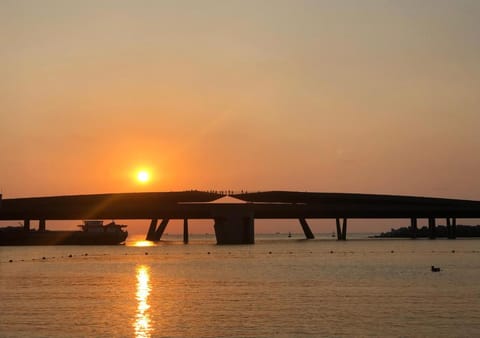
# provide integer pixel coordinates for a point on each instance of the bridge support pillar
(431, 228)
(155, 234)
(161, 229)
(26, 225)
(42, 225)
(151, 230)
(234, 226)
(185, 230)
(454, 228)
(341, 231)
(451, 228)
(413, 228)
(306, 229)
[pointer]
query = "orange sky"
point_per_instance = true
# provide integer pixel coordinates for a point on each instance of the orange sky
(350, 96)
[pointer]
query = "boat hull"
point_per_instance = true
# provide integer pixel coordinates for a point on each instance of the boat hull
(61, 238)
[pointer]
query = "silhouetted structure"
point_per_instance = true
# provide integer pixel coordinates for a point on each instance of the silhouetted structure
(234, 223)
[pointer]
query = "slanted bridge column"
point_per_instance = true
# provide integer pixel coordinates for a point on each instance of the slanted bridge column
(161, 229)
(339, 230)
(155, 234)
(151, 230)
(306, 229)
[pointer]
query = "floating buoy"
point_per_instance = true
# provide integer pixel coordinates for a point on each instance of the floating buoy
(10, 261)
(43, 258)
(146, 253)
(70, 256)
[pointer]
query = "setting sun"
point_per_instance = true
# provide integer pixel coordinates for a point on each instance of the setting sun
(143, 176)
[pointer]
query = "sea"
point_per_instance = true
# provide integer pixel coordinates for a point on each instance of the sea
(279, 287)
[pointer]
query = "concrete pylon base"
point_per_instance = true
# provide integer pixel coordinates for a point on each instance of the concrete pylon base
(234, 226)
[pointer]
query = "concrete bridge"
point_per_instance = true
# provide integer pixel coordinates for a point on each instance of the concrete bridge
(234, 222)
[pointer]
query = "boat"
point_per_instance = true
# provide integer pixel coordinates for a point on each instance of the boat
(91, 233)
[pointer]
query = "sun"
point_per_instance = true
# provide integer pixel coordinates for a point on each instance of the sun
(143, 176)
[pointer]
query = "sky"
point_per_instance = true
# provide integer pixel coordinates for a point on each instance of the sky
(330, 96)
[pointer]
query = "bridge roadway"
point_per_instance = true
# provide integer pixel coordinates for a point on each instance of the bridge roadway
(234, 223)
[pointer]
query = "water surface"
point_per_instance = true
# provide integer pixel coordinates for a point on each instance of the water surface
(277, 287)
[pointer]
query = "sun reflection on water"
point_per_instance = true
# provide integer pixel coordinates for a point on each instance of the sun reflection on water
(142, 243)
(142, 320)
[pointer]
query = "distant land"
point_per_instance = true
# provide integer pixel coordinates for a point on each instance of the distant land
(440, 231)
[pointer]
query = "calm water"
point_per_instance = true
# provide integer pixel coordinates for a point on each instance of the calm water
(277, 287)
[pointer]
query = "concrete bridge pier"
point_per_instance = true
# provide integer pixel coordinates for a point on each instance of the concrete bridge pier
(161, 229)
(454, 228)
(151, 230)
(341, 231)
(185, 230)
(26, 225)
(234, 226)
(42, 225)
(451, 228)
(155, 234)
(306, 229)
(431, 228)
(413, 228)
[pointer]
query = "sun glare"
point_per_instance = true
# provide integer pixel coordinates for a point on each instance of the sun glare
(143, 176)
(143, 243)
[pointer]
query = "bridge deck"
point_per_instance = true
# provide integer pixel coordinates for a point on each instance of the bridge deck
(266, 205)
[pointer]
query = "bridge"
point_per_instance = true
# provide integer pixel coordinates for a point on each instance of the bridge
(234, 222)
